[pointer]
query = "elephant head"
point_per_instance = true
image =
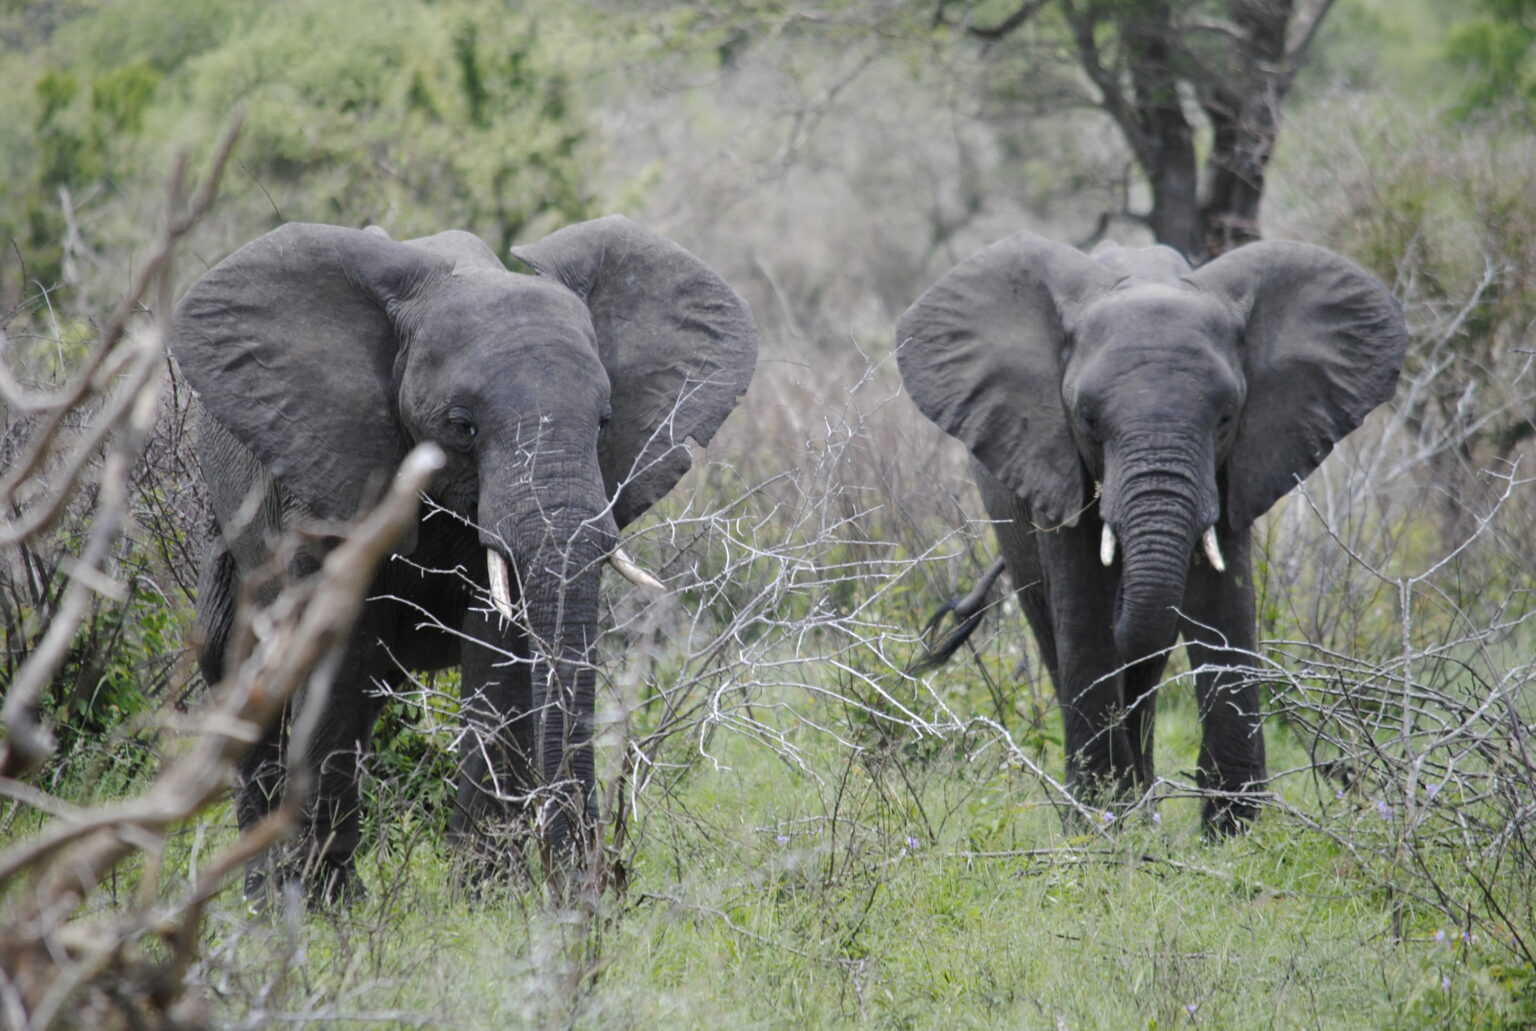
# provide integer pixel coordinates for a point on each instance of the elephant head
(1186, 396)
(563, 400)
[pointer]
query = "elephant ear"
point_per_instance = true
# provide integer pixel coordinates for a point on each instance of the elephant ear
(981, 353)
(1322, 344)
(290, 343)
(679, 345)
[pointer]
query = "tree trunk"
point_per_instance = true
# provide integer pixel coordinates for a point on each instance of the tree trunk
(1242, 102)
(1167, 150)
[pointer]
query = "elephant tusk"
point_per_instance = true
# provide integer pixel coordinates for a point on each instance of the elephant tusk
(501, 589)
(634, 574)
(1213, 550)
(1107, 547)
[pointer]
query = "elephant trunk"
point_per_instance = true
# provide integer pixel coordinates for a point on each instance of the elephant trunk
(557, 551)
(562, 623)
(1158, 508)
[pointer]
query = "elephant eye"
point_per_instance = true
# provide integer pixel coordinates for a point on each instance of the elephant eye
(461, 426)
(607, 416)
(1089, 420)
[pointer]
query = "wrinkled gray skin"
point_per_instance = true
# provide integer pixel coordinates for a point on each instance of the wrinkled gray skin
(562, 399)
(1190, 399)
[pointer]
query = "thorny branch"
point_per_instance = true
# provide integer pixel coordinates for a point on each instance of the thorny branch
(50, 957)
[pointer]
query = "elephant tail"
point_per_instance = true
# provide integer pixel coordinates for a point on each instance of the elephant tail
(968, 611)
(217, 591)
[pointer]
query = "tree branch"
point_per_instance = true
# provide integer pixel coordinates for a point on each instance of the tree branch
(1303, 31)
(1112, 99)
(1008, 24)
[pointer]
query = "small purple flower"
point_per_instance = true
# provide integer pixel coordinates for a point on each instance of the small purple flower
(913, 844)
(1432, 790)
(1157, 818)
(1190, 1009)
(1108, 816)
(1440, 936)
(1466, 937)
(1384, 809)
(782, 839)
(1339, 794)
(1445, 982)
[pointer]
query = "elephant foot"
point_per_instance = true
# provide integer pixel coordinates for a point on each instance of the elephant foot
(334, 884)
(323, 884)
(1228, 811)
(1225, 818)
(1104, 800)
(481, 873)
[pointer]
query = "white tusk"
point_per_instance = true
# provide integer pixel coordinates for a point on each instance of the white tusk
(1107, 547)
(633, 573)
(501, 589)
(1213, 550)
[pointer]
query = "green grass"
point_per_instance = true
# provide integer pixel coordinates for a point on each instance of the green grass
(849, 894)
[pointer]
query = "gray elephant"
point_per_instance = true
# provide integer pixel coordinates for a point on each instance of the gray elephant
(1129, 417)
(562, 400)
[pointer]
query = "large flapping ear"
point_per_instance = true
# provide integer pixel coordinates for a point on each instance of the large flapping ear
(1322, 345)
(290, 343)
(679, 345)
(981, 354)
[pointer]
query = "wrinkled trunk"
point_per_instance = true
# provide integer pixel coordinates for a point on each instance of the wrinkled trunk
(562, 623)
(558, 538)
(1159, 497)
(1157, 545)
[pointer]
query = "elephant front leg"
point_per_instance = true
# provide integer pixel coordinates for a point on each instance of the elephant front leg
(497, 747)
(1222, 650)
(1141, 685)
(1107, 738)
(333, 757)
(258, 789)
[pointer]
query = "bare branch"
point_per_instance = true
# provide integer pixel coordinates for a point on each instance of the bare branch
(1008, 24)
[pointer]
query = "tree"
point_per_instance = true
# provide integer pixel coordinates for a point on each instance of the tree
(1496, 52)
(1156, 66)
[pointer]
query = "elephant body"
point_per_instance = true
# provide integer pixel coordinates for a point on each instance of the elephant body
(563, 401)
(1129, 417)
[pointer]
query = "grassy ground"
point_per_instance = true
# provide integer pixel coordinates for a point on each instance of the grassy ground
(930, 891)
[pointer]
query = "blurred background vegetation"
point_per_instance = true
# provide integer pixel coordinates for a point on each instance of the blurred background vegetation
(831, 159)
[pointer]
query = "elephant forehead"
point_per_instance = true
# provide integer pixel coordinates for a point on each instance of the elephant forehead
(1144, 264)
(483, 309)
(1149, 314)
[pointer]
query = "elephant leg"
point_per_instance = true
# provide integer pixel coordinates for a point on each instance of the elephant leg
(327, 771)
(496, 752)
(1221, 649)
(1067, 595)
(259, 787)
(259, 772)
(334, 758)
(1021, 554)
(1103, 760)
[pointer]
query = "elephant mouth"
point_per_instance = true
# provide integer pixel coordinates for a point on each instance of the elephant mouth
(1208, 544)
(500, 575)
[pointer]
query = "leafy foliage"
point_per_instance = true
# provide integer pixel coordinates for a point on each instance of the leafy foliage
(432, 115)
(1496, 54)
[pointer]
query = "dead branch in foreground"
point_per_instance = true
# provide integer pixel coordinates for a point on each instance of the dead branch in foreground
(127, 967)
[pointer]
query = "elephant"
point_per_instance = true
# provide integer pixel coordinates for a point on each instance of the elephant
(562, 399)
(1128, 417)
